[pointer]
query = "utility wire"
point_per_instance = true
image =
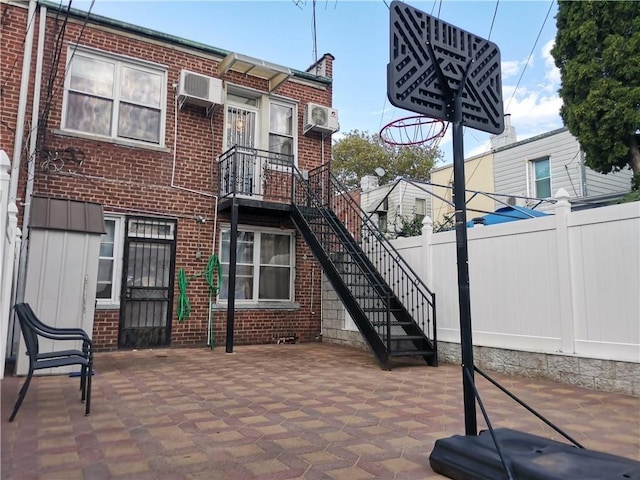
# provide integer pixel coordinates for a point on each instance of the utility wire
(530, 54)
(24, 39)
(521, 74)
(493, 19)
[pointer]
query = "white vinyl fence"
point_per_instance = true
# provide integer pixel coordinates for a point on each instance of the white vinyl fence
(564, 284)
(8, 248)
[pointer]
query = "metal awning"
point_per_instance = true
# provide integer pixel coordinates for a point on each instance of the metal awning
(276, 75)
(68, 215)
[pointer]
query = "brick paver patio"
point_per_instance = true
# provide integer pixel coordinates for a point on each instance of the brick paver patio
(312, 411)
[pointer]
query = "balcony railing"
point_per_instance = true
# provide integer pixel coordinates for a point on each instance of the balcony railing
(257, 174)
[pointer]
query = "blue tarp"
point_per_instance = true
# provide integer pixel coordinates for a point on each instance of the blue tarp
(506, 214)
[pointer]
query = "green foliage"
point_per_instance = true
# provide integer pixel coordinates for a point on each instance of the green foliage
(411, 226)
(632, 196)
(596, 50)
(359, 153)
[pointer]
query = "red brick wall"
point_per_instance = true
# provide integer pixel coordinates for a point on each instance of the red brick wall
(129, 180)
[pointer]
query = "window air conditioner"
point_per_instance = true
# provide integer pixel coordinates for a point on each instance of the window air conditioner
(200, 90)
(318, 118)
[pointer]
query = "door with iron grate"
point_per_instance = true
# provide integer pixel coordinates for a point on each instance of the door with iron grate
(147, 284)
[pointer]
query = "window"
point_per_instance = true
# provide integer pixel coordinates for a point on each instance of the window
(281, 130)
(542, 178)
(116, 98)
(108, 287)
(264, 265)
(421, 208)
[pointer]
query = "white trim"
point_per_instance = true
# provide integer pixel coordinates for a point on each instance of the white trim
(116, 274)
(256, 264)
(119, 62)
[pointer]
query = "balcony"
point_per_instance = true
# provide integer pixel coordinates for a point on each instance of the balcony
(255, 178)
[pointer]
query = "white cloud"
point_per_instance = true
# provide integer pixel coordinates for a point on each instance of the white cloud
(552, 73)
(533, 111)
(512, 68)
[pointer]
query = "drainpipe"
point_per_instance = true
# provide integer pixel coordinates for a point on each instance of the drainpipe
(22, 104)
(33, 144)
(19, 137)
(583, 172)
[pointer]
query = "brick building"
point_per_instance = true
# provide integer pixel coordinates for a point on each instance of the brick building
(190, 150)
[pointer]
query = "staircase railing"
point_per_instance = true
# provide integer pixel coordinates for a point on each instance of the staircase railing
(329, 197)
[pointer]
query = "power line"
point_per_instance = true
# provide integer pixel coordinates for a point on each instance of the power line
(530, 54)
(24, 39)
(493, 19)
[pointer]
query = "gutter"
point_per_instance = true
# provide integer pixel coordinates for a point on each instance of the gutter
(165, 37)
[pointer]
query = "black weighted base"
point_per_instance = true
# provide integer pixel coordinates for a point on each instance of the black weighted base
(529, 457)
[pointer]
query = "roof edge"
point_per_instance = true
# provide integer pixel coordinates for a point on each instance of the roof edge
(166, 37)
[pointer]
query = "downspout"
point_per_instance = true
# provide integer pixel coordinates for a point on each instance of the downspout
(33, 145)
(583, 173)
(19, 138)
(22, 105)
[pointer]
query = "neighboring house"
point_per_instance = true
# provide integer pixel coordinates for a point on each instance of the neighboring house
(539, 166)
(478, 178)
(394, 204)
(524, 172)
(162, 131)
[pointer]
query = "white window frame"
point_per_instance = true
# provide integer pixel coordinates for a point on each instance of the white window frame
(116, 274)
(423, 202)
(534, 179)
(257, 238)
(119, 61)
(294, 129)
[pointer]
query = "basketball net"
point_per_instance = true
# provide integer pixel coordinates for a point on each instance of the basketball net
(414, 130)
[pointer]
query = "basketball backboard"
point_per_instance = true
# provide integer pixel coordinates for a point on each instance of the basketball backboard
(428, 61)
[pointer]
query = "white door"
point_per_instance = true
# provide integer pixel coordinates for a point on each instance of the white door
(242, 129)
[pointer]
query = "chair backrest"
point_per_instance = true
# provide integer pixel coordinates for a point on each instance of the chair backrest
(28, 333)
(33, 318)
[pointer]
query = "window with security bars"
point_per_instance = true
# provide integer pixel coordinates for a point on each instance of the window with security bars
(109, 96)
(261, 122)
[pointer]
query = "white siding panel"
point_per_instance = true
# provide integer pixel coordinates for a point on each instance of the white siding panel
(61, 283)
(600, 184)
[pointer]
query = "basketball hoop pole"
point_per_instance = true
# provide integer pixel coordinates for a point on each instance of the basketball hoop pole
(464, 296)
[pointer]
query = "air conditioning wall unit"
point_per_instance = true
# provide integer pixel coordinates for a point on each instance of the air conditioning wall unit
(318, 118)
(197, 89)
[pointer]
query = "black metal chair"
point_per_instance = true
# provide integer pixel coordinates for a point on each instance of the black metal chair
(32, 328)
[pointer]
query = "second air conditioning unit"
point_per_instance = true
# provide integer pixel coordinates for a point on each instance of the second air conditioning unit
(199, 90)
(318, 118)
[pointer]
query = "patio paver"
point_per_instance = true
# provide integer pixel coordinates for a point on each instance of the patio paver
(311, 411)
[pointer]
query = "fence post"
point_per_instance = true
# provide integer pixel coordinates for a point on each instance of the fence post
(8, 227)
(427, 234)
(567, 321)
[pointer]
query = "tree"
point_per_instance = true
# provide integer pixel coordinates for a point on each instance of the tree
(596, 50)
(359, 153)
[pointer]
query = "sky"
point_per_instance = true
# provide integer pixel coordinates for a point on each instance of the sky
(356, 33)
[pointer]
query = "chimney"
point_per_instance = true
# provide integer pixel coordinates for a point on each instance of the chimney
(368, 182)
(507, 137)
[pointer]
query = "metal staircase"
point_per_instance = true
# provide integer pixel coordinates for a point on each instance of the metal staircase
(392, 307)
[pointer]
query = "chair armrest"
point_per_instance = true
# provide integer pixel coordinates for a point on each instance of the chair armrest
(60, 334)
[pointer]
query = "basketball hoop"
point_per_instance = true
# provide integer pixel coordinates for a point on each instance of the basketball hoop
(414, 130)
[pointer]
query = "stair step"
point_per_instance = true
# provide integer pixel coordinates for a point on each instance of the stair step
(394, 323)
(398, 338)
(411, 353)
(380, 309)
